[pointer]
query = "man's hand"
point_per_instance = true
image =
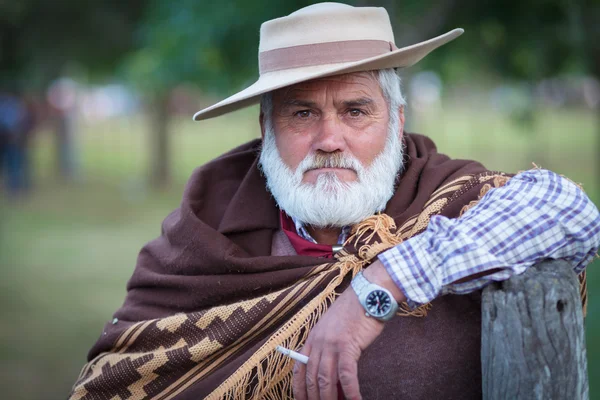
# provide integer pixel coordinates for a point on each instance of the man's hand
(336, 342)
(334, 346)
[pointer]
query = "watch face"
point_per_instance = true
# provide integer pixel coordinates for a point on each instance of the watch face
(378, 303)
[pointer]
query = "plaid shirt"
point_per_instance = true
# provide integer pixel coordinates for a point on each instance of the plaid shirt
(536, 215)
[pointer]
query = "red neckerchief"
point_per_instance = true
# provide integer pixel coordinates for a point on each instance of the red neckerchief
(302, 246)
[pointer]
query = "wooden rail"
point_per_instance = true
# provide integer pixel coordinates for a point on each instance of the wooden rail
(532, 336)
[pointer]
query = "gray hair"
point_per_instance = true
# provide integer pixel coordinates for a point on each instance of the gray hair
(389, 82)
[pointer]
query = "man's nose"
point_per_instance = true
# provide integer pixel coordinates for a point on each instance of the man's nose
(330, 136)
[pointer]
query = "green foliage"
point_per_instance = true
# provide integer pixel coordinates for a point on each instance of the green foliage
(215, 45)
(525, 40)
(212, 45)
(39, 39)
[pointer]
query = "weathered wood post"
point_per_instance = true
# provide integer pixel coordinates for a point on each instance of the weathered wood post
(532, 336)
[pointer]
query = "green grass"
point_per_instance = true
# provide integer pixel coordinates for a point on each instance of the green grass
(67, 252)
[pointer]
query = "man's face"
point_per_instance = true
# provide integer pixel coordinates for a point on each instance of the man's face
(340, 115)
(331, 153)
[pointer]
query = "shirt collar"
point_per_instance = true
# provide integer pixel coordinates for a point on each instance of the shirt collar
(303, 232)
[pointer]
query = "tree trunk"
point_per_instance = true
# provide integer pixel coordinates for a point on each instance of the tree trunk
(66, 149)
(160, 155)
(532, 336)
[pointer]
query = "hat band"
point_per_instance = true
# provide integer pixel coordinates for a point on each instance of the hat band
(321, 53)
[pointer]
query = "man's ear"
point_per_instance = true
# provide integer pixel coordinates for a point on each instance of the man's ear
(261, 121)
(402, 119)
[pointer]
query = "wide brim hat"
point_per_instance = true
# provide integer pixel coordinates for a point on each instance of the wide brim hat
(322, 40)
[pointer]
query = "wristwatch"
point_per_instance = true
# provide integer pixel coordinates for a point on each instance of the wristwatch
(377, 301)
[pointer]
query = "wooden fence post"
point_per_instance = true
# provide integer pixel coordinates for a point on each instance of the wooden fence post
(532, 336)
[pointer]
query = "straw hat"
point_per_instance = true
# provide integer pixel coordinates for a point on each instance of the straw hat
(322, 40)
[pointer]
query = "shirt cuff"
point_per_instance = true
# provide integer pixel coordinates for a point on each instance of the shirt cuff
(415, 275)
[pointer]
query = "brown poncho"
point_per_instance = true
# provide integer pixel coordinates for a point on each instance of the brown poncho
(208, 302)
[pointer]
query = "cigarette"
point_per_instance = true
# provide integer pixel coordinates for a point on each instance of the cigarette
(293, 355)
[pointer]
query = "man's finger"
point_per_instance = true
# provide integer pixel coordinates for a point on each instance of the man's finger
(312, 369)
(327, 377)
(299, 377)
(348, 376)
(299, 381)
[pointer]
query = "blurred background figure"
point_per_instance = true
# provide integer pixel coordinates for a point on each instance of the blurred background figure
(96, 101)
(17, 121)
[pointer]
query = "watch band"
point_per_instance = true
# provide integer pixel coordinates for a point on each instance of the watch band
(359, 283)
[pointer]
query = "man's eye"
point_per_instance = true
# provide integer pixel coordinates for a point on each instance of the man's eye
(355, 112)
(303, 113)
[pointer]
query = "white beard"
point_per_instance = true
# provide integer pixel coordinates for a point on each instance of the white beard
(331, 202)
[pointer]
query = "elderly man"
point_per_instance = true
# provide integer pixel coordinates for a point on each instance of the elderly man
(338, 235)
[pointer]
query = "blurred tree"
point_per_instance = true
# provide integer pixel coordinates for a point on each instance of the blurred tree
(517, 40)
(589, 35)
(41, 41)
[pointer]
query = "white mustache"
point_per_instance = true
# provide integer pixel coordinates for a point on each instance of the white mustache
(326, 160)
